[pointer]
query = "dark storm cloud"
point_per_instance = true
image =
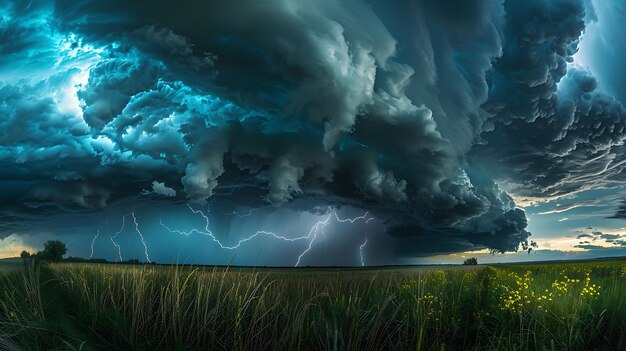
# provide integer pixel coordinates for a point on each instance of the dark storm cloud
(621, 211)
(552, 131)
(113, 82)
(306, 105)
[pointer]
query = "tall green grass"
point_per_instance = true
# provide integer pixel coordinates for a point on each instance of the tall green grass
(22, 315)
(114, 307)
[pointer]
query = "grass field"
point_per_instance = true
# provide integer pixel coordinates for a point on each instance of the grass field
(563, 306)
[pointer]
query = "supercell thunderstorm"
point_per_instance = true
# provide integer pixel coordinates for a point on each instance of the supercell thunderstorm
(434, 118)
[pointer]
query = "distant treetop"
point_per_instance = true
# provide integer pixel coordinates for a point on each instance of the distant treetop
(471, 261)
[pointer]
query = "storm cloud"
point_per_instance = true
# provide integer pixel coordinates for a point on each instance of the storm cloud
(552, 132)
(620, 212)
(433, 116)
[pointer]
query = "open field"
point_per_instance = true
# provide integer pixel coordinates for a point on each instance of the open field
(562, 306)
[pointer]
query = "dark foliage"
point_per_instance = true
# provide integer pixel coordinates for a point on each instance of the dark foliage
(472, 261)
(53, 250)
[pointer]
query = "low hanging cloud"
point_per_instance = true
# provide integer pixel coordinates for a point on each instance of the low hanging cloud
(162, 189)
(590, 247)
(610, 239)
(426, 116)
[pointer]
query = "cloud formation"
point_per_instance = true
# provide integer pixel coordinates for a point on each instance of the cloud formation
(408, 110)
(596, 236)
(552, 131)
(162, 189)
(568, 207)
(621, 211)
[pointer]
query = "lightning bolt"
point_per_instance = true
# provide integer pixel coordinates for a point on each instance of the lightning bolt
(119, 249)
(311, 236)
(361, 251)
(145, 247)
(322, 225)
(210, 234)
(93, 242)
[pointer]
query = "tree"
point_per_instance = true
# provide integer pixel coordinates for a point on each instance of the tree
(25, 254)
(53, 250)
(470, 261)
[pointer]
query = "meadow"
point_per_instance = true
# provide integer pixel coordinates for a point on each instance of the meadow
(70, 306)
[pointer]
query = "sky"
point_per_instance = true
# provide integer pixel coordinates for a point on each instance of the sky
(293, 133)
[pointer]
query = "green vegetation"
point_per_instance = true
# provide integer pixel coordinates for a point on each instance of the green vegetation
(471, 261)
(73, 306)
(53, 250)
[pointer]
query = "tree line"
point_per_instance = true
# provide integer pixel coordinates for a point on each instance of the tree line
(54, 250)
